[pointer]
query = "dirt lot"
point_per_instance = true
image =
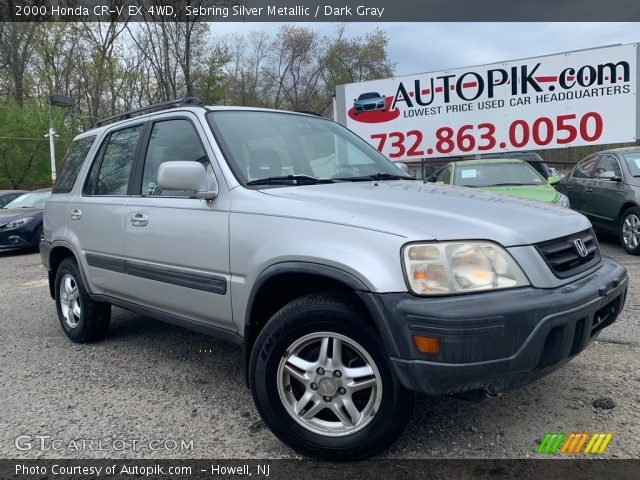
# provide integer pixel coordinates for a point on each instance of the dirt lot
(151, 386)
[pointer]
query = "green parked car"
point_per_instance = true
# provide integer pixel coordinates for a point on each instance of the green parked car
(503, 175)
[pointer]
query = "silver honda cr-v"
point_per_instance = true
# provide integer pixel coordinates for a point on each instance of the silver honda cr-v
(349, 285)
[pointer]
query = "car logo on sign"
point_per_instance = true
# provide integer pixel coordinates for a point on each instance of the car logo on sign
(580, 248)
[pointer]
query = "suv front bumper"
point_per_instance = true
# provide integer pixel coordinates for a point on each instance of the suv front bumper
(496, 341)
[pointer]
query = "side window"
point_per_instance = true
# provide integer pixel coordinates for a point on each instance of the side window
(608, 163)
(72, 163)
(171, 140)
(112, 167)
(585, 169)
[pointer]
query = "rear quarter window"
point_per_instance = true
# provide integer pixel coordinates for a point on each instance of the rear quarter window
(72, 163)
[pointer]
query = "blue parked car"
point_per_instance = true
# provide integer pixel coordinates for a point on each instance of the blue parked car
(369, 102)
(7, 196)
(21, 221)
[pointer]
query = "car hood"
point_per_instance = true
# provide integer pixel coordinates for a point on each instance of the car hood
(9, 214)
(420, 211)
(542, 193)
(368, 101)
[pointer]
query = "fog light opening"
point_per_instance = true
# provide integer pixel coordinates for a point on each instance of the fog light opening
(428, 345)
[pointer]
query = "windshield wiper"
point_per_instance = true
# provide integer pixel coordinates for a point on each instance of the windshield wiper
(298, 179)
(512, 184)
(377, 176)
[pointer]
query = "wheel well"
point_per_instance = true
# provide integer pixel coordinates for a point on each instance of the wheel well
(624, 208)
(56, 256)
(281, 289)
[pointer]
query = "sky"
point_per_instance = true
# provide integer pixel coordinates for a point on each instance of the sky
(424, 47)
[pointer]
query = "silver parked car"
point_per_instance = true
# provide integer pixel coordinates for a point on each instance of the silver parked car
(349, 285)
(368, 102)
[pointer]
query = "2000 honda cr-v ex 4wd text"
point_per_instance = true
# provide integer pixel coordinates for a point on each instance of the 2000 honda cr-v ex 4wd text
(349, 285)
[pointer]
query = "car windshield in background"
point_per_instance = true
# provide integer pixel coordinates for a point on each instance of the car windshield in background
(368, 96)
(30, 200)
(267, 148)
(633, 161)
(496, 174)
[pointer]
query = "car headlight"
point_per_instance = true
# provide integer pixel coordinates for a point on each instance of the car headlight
(460, 267)
(18, 223)
(563, 201)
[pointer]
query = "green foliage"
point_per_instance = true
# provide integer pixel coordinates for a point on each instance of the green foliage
(24, 151)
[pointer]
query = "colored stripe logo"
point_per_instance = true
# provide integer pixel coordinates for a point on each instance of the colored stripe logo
(574, 443)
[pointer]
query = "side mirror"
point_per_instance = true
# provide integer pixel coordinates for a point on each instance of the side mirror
(553, 180)
(609, 175)
(187, 177)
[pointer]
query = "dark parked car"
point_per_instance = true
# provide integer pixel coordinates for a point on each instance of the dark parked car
(21, 220)
(368, 102)
(605, 187)
(7, 196)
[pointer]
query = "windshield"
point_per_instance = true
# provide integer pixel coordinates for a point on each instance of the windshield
(366, 96)
(295, 149)
(30, 200)
(633, 161)
(495, 174)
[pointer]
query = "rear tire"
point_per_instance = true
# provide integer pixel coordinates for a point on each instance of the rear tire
(629, 231)
(81, 318)
(326, 403)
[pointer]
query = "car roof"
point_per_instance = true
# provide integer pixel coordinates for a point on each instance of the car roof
(209, 108)
(529, 157)
(620, 150)
(483, 161)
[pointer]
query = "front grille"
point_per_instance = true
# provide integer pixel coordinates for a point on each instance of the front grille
(563, 256)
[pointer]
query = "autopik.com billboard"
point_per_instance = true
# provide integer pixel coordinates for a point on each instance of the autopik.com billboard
(570, 99)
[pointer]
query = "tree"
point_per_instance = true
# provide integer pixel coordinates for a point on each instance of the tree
(22, 148)
(16, 52)
(350, 60)
(295, 69)
(96, 62)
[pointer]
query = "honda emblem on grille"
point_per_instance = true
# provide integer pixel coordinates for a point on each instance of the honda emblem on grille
(580, 248)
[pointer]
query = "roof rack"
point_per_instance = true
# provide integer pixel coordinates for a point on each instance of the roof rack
(181, 102)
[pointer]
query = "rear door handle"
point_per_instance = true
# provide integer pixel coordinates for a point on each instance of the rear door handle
(589, 190)
(139, 220)
(76, 214)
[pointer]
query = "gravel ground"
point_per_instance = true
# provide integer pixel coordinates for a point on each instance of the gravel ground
(150, 386)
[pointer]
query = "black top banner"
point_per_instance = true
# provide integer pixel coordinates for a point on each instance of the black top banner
(321, 10)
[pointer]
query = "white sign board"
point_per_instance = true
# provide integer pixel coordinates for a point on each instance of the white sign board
(578, 98)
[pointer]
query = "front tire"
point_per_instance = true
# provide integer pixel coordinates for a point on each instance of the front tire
(323, 383)
(81, 318)
(629, 231)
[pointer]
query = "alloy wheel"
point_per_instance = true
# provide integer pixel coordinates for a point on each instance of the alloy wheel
(70, 300)
(329, 384)
(631, 231)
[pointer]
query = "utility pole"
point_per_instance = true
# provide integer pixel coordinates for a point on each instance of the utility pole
(58, 101)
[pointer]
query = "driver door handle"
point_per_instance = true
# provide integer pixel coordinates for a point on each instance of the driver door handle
(139, 220)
